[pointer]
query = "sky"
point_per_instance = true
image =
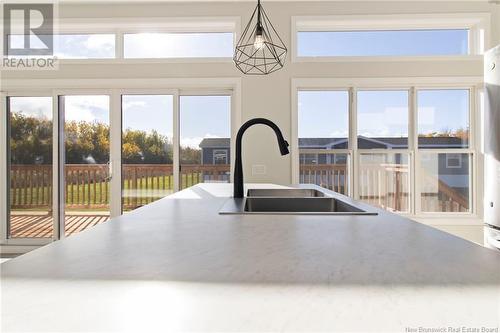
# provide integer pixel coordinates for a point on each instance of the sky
(381, 113)
(137, 45)
(380, 43)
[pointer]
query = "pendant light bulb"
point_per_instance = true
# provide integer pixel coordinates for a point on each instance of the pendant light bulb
(259, 42)
(259, 38)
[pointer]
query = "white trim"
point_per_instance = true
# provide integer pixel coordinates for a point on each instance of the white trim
(115, 153)
(176, 142)
(12, 86)
(148, 24)
(478, 25)
(3, 168)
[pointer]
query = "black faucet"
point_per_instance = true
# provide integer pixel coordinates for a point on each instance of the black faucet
(238, 168)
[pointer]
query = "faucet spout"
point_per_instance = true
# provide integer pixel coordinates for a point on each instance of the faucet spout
(238, 167)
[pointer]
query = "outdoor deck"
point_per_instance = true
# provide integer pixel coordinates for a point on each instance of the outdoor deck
(42, 225)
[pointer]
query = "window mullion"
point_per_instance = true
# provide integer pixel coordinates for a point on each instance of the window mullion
(176, 142)
(353, 145)
(413, 148)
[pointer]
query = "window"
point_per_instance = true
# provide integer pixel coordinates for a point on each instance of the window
(445, 188)
(443, 118)
(382, 119)
(384, 180)
(453, 161)
(414, 153)
(178, 45)
(205, 128)
(382, 43)
(220, 156)
(86, 145)
(30, 167)
(323, 128)
(75, 46)
(410, 36)
(147, 149)
(383, 124)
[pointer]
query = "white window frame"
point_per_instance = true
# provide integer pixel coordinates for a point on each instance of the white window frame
(477, 23)
(121, 26)
(114, 88)
(474, 84)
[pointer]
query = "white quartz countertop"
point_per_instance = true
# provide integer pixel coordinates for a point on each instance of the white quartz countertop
(177, 265)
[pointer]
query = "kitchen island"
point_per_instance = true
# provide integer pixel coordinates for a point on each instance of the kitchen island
(178, 265)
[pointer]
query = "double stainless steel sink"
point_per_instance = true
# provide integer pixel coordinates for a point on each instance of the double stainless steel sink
(293, 201)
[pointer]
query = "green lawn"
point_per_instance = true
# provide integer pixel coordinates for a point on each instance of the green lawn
(99, 192)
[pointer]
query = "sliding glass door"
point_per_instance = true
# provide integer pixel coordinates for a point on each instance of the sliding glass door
(154, 142)
(147, 149)
(205, 132)
(29, 176)
(85, 191)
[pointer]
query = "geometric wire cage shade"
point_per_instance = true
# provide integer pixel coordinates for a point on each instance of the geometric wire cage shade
(260, 50)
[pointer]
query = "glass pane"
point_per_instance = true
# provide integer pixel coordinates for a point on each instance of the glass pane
(205, 131)
(326, 170)
(384, 180)
(445, 182)
(443, 118)
(178, 45)
(147, 149)
(323, 123)
(30, 198)
(323, 119)
(382, 119)
(74, 46)
(383, 43)
(86, 168)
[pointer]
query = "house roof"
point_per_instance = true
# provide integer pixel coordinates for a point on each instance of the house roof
(215, 143)
(336, 143)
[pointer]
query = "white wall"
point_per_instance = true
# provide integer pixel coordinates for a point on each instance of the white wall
(269, 96)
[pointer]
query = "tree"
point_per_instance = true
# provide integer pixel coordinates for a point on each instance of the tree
(85, 143)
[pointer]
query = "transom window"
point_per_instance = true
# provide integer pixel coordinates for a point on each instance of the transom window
(178, 45)
(383, 43)
(326, 38)
(74, 46)
(122, 38)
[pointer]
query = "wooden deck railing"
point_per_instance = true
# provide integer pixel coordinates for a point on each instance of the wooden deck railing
(87, 185)
(384, 185)
(330, 176)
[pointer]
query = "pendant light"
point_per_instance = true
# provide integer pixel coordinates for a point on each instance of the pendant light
(260, 50)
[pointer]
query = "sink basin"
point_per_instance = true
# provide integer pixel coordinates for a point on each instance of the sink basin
(290, 202)
(299, 205)
(285, 193)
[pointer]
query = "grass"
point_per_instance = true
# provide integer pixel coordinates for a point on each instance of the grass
(100, 192)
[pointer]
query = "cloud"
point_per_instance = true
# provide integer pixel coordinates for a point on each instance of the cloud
(194, 142)
(134, 104)
(87, 108)
(98, 42)
(40, 107)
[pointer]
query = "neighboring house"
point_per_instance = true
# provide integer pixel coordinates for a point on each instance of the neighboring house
(215, 151)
